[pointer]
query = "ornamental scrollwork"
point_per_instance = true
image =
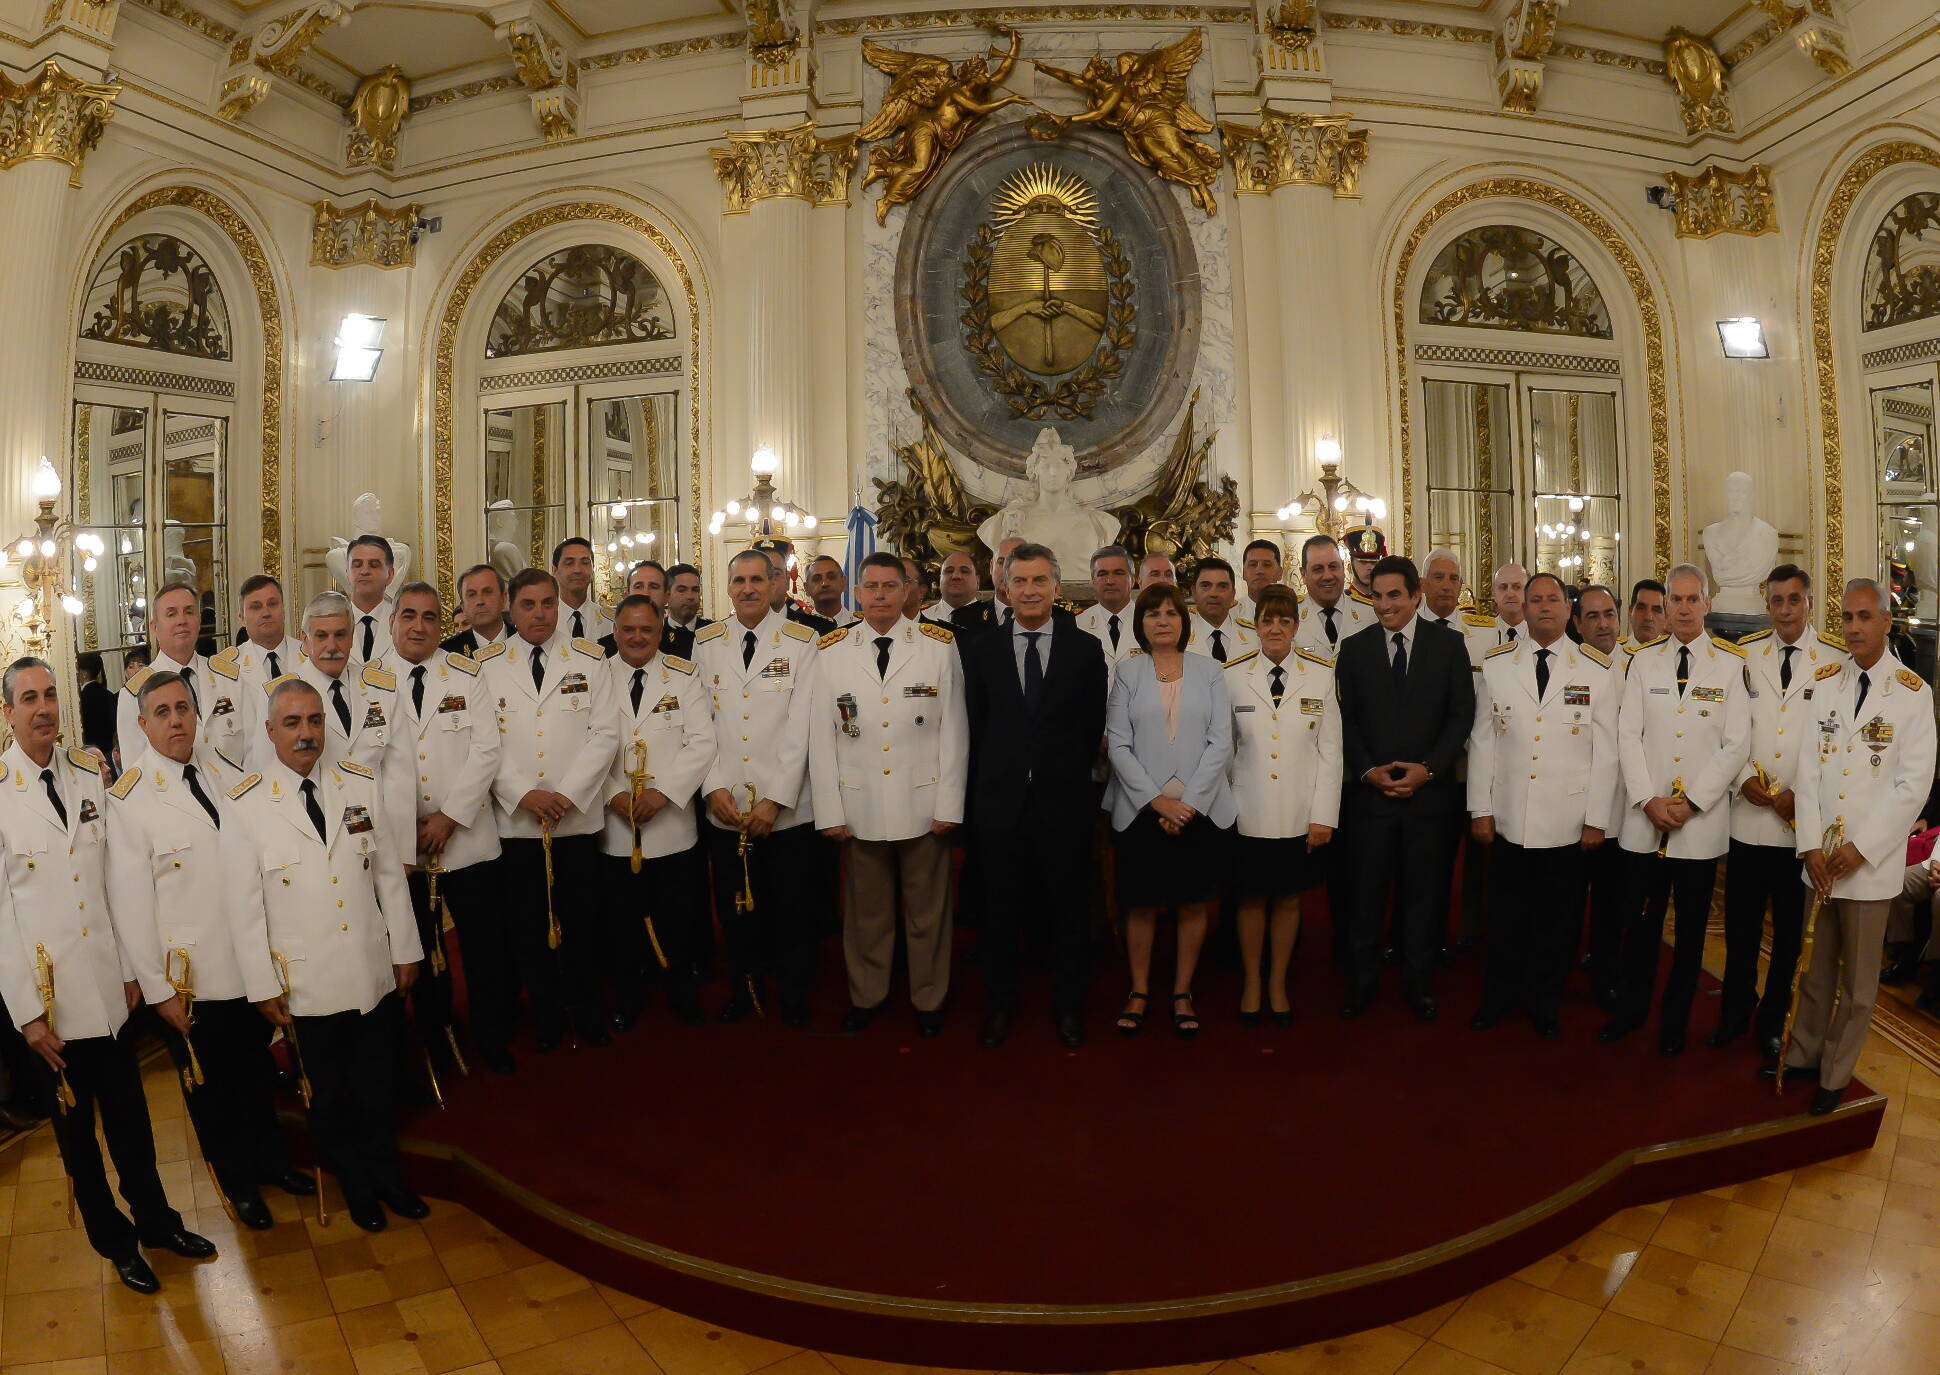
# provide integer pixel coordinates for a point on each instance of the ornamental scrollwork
(1183, 517)
(156, 292)
(926, 513)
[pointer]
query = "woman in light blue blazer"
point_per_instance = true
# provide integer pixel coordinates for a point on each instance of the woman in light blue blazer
(1169, 726)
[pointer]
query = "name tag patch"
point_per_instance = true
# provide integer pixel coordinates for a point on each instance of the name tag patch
(1243, 706)
(357, 820)
(452, 702)
(1660, 692)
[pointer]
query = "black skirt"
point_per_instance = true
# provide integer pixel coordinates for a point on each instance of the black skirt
(1155, 869)
(1273, 868)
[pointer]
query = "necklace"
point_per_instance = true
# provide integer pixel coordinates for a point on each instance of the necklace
(1165, 677)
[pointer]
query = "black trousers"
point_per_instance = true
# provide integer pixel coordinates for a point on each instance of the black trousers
(1338, 857)
(1408, 855)
(431, 994)
(1035, 867)
(563, 982)
(348, 1057)
(482, 914)
(1686, 885)
(1609, 882)
(780, 936)
(665, 889)
(102, 1071)
(233, 1110)
(20, 1082)
(1535, 908)
(1754, 876)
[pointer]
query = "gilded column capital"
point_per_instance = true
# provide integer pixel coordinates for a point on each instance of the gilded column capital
(1522, 44)
(1698, 73)
(1296, 150)
(376, 115)
(369, 233)
(55, 115)
(1815, 25)
(1720, 201)
(272, 51)
(549, 73)
(761, 164)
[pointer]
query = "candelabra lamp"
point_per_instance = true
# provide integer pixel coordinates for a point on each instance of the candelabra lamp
(1339, 505)
(762, 513)
(43, 556)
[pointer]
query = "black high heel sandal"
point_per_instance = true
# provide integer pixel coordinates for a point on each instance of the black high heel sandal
(1185, 1025)
(1131, 1023)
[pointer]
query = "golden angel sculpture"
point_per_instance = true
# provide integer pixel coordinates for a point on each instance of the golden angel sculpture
(931, 107)
(1143, 97)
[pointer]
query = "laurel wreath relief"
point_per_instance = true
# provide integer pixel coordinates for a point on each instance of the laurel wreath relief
(1075, 395)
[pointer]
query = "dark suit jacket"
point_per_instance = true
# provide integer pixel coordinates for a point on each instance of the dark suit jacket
(1425, 722)
(464, 642)
(98, 717)
(972, 620)
(675, 640)
(1046, 756)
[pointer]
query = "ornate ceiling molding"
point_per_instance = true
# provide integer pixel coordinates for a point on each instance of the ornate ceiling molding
(548, 72)
(1698, 74)
(1521, 45)
(54, 115)
(1296, 150)
(1817, 28)
(1720, 201)
(376, 116)
(762, 164)
(364, 234)
(93, 18)
(272, 51)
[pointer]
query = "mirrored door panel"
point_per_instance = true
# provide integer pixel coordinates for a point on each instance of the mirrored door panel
(1469, 441)
(193, 505)
(1909, 517)
(525, 484)
(633, 492)
(111, 452)
(1575, 465)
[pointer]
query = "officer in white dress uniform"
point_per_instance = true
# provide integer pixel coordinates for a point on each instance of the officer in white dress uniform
(266, 652)
(580, 617)
(1597, 624)
(168, 891)
(1329, 615)
(359, 701)
(1216, 631)
(1870, 775)
(317, 886)
(54, 916)
(558, 731)
(1485, 632)
(1683, 735)
(1542, 769)
(1441, 604)
(889, 749)
(1109, 619)
(758, 667)
(667, 730)
(441, 754)
(226, 715)
(1781, 667)
(370, 566)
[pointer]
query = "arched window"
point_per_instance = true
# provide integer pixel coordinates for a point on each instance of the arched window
(156, 292)
(1903, 265)
(582, 297)
(1504, 276)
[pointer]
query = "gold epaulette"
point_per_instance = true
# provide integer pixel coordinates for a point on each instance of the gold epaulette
(1728, 646)
(352, 766)
(245, 786)
(590, 648)
(1595, 655)
(87, 761)
(1909, 679)
(125, 784)
(795, 630)
(710, 632)
(1826, 671)
(677, 664)
(834, 637)
(1355, 594)
(1248, 656)
(226, 759)
(1647, 644)
(463, 662)
(1477, 619)
(3, 773)
(491, 651)
(1134, 654)
(1507, 648)
(941, 633)
(134, 684)
(271, 684)
(1754, 636)
(1245, 624)
(1833, 642)
(1315, 657)
(231, 654)
(225, 668)
(381, 678)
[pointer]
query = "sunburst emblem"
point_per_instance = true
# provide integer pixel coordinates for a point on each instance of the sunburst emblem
(1042, 188)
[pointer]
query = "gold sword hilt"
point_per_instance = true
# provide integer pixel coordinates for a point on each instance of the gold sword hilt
(302, 1074)
(433, 868)
(185, 990)
(1832, 841)
(637, 777)
(1664, 837)
(744, 900)
(44, 983)
(552, 917)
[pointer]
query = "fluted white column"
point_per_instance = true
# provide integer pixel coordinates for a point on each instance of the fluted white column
(34, 272)
(778, 347)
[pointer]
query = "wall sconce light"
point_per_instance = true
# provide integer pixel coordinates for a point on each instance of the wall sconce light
(358, 338)
(1743, 336)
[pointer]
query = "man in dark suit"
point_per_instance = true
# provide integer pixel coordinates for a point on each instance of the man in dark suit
(648, 579)
(1036, 696)
(97, 705)
(1407, 703)
(481, 595)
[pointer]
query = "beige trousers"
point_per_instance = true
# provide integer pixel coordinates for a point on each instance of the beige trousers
(1846, 948)
(878, 872)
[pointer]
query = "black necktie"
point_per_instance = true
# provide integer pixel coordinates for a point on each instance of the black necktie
(1333, 635)
(60, 809)
(1114, 630)
(188, 681)
(1512, 635)
(1219, 646)
(882, 656)
(639, 686)
(274, 671)
(370, 635)
(1785, 666)
(195, 790)
(1859, 702)
(1400, 659)
(310, 806)
(1033, 670)
(1683, 668)
(747, 649)
(538, 668)
(337, 701)
(1542, 673)
(579, 626)
(1279, 685)
(417, 690)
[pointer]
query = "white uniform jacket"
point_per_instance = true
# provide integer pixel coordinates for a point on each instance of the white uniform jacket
(1237, 637)
(251, 662)
(1286, 767)
(1870, 769)
(596, 619)
(370, 691)
(226, 717)
(335, 908)
(1545, 767)
(380, 627)
(675, 723)
(1094, 620)
(888, 754)
(165, 877)
(1350, 615)
(1701, 739)
(761, 713)
(1782, 722)
(559, 736)
(444, 760)
(56, 897)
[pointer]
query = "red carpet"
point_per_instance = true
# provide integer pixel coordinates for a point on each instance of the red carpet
(851, 1192)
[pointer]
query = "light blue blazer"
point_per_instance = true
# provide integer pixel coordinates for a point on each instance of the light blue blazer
(1142, 759)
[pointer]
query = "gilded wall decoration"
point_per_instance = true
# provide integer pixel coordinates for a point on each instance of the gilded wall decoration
(1507, 276)
(762, 164)
(1815, 27)
(927, 514)
(273, 50)
(1699, 76)
(367, 233)
(95, 17)
(1293, 24)
(773, 38)
(1521, 45)
(1296, 150)
(548, 72)
(1182, 516)
(586, 296)
(53, 115)
(1720, 201)
(1142, 96)
(376, 115)
(930, 108)
(1049, 310)
(156, 292)
(1903, 264)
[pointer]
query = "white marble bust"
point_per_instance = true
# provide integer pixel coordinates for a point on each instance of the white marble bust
(367, 518)
(1742, 549)
(1052, 515)
(502, 534)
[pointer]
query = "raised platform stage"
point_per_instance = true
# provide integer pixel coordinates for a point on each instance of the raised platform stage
(1134, 1203)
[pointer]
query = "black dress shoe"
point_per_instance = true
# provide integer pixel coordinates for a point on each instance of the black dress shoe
(545, 1045)
(794, 1014)
(687, 1011)
(1794, 1074)
(253, 1213)
(622, 1022)
(1616, 1029)
(1772, 1046)
(1071, 1030)
(1484, 1020)
(291, 1182)
(1356, 1004)
(1282, 1019)
(1670, 1044)
(1444, 958)
(1726, 1034)
(1547, 1027)
(138, 1275)
(17, 1119)
(1606, 1000)
(1249, 1020)
(738, 1008)
(1424, 1008)
(1902, 968)
(367, 1213)
(1825, 1100)
(996, 1028)
(929, 1023)
(857, 1019)
(183, 1243)
(406, 1204)
(1930, 1000)
(1393, 958)
(499, 1061)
